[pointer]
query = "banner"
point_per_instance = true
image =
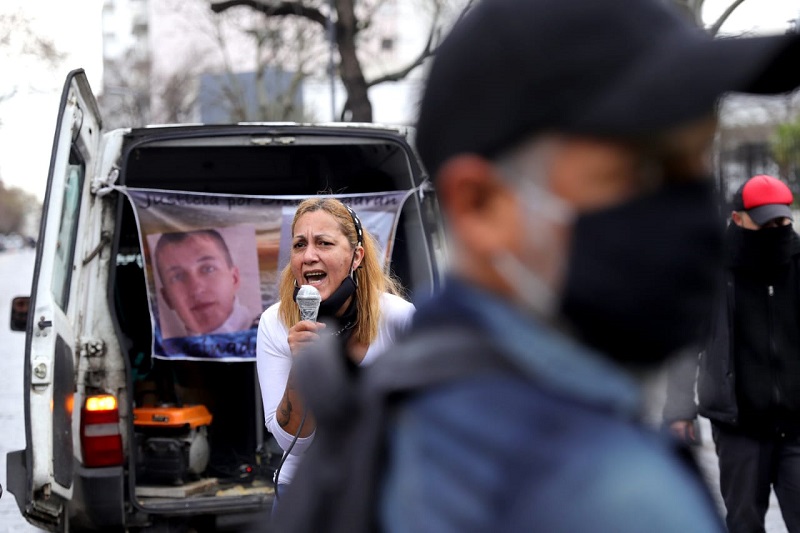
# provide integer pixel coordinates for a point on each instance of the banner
(235, 253)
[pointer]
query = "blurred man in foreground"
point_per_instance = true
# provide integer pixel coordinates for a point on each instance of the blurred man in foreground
(569, 145)
(568, 141)
(749, 382)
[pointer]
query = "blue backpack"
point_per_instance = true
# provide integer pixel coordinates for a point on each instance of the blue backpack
(337, 485)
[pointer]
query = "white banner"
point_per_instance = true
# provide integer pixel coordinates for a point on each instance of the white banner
(211, 246)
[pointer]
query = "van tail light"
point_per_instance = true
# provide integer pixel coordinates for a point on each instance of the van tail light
(100, 436)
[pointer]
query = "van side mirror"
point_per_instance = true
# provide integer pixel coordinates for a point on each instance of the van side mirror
(19, 313)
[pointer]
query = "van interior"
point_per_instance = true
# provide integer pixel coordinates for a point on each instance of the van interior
(242, 455)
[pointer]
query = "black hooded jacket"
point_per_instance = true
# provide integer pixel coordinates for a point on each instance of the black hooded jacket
(750, 372)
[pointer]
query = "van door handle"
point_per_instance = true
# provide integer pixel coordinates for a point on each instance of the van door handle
(44, 323)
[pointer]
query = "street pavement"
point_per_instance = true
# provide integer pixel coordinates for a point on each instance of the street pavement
(15, 279)
(16, 269)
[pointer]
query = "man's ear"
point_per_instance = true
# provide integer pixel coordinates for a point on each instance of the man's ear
(236, 277)
(165, 297)
(480, 207)
(737, 218)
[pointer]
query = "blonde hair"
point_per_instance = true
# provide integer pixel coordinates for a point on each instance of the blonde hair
(371, 277)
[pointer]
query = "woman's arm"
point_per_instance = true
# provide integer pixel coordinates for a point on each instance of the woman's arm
(291, 410)
(283, 409)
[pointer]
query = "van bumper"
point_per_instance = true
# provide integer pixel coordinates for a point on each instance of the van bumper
(98, 497)
(16, 477)
(97, 494)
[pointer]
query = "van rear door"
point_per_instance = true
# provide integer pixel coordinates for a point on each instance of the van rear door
(43, 472)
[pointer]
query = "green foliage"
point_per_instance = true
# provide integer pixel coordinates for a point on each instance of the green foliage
(785, 148)
(16, 206)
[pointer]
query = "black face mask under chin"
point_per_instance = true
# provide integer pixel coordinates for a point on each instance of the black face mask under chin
(332, 304)
(641, 275)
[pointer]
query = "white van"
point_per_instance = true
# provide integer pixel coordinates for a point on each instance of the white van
(126, 429)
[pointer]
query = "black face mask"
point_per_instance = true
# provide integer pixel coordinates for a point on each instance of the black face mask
(761, 249)
(331, 305)
(642, 275)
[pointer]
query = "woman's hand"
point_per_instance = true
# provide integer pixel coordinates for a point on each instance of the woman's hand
(684, 430)
(302, 334)
(289, 413)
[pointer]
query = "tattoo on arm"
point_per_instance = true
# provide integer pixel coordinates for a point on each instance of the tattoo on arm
(284, 413)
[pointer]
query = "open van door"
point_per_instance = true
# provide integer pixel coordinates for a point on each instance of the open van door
(41, 476)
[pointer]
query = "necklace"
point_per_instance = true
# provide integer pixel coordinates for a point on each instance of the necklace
(344, 328)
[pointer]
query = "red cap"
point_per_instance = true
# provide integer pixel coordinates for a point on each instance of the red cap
(764, 198)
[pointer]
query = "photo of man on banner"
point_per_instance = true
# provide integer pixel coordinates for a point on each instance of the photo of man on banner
(201, 288)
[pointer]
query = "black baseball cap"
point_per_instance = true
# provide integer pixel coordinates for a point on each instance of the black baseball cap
(511, 69)
(764, 198)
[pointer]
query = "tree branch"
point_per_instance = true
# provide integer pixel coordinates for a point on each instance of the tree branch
(714, 29)
(427, 51)
(464, 11)
(366, 21)
(275, 9)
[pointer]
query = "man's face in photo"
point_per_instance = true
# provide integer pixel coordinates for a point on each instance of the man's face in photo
(199, 284)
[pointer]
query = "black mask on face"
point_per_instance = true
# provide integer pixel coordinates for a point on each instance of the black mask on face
(641, 275)
(761, 249)
(329, 306)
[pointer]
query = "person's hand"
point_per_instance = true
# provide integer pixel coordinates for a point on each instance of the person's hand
(302, 334)
(684, 430)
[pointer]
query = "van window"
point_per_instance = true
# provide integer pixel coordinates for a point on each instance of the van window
(65, 247)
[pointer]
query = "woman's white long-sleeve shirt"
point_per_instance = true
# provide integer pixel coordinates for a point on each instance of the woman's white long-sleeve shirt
(274, 361)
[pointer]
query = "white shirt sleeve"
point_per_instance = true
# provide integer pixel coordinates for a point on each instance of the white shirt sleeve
(273, 362)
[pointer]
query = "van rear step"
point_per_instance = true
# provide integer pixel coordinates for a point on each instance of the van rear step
(180, 491)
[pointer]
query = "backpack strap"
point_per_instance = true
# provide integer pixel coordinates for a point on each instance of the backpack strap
(330, 383)
(336, 486)
(435, 357)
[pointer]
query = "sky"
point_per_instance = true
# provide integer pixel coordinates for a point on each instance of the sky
(27, 120)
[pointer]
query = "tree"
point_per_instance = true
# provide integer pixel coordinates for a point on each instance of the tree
(281, 54)
(785, 148)
(125, 98)
(346, 24)
(225, 62)
(21, 46)
(16, 206)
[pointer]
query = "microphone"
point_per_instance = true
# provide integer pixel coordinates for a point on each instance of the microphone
(308, 300)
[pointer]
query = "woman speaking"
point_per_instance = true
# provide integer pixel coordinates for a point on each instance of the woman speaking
(333, 253)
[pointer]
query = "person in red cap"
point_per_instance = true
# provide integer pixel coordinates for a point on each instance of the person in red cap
(749, 378)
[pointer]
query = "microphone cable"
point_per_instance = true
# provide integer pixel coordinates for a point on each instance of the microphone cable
(288, 451)
(348, 331)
